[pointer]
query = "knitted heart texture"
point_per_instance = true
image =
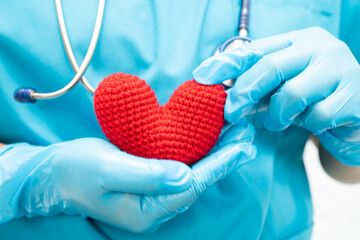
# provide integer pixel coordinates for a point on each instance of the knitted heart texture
(184, 129)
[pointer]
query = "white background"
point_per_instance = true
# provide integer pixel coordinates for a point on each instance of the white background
(336, 205)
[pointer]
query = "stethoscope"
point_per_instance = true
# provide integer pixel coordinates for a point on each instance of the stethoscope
(30, 95)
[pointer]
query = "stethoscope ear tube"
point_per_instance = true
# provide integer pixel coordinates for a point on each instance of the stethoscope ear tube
(23, 95)
(29, 95)
(66, 42)
(244, 15)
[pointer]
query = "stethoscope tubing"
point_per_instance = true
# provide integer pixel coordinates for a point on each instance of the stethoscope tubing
(79, 71)
(30, 94)
(67, 45)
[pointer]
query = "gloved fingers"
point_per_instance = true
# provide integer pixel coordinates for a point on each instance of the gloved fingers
(130, 212)
(145, 176)
(241, 131)
(346, 152)
(272, 43)
(232, 64)
(349, 133)
(263, 78)
(334, 111)
(297, 94)
(206, 172)
(221, 163)
(226, 65)
(140, 213)
(126, 211)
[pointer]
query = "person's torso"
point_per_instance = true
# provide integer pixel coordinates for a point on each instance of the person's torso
(162, 42)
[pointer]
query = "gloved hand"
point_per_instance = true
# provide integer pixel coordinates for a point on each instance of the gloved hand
(94, 178)
(313, 80)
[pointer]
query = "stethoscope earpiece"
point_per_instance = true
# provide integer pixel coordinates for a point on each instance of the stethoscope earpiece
(23, 95)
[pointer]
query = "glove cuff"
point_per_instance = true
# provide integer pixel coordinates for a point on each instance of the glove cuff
(346, 152)
(26, 183)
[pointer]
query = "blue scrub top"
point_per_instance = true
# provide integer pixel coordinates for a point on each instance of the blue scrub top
(161, 42)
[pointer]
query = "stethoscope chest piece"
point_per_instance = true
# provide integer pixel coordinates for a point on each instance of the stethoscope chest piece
(229, 45)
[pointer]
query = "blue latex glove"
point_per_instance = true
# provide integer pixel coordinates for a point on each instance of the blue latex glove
(313, 80)
(94, 178)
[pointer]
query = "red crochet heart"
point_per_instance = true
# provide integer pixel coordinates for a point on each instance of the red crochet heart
(184, 129)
